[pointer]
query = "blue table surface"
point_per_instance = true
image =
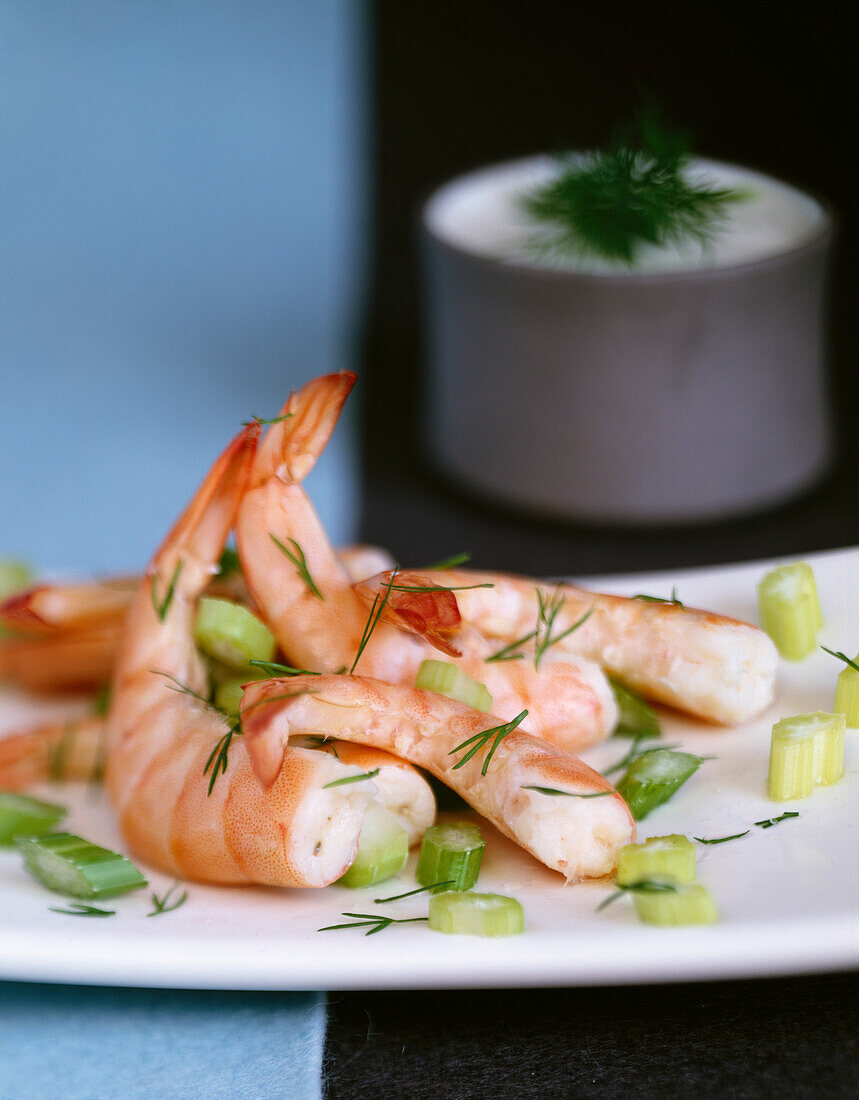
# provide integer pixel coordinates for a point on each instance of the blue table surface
(89, 1043)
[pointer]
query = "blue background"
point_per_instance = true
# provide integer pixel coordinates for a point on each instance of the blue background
(181, 226)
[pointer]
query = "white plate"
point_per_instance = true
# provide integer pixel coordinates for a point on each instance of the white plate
(788, 895)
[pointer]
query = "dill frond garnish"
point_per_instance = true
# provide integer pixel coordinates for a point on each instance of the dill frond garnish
(263, 421)
(480, 740)
(567, 794)
(768, 822)
(721, 839)
(276, 670)
(300, 562)
(548, 611)
(351, 778)
(609, 203)
(376, 609)
(78, 909)
(163, 606)
(513, 651)
(659, 599)
(446, 563)
(420, 890)
(841, 657)
(219, 756)
(439, 587)
(643, 886)
(165, 904)
(377, 923)
(634, 752)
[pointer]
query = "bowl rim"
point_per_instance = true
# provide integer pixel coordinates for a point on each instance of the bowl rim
(822, 237)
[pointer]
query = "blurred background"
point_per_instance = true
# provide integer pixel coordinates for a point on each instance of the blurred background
(205, 204)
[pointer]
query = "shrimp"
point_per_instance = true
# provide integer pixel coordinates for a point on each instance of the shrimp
(70, 632)
(320, 622)
(578, 836)
(294, 831)
(708, 665)
(59, 751)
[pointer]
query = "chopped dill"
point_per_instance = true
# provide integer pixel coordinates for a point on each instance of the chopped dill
(567, 794)
(643, 886)
(377, 923)
(411, 893)
(660, 599)
(274, 669)
(721, 839)
(166, 904)
(351, 778)
(378, 606)
(300, 562)
(841, 657)
(480, 740)
(78, 909)
(162, 607)
(768, 822)
(446, 563)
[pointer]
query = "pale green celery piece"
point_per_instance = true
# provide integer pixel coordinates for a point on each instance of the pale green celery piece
(15, 576)
(383, 848)
(450, 854)
(446, 679)
(790, 609)
(653, 777)
(476, 914)
(228, 695)
(672, 855)
(688, 903)
(231, 633)
(635, 717)
(806, 750)
(69, 865)
(847, 694)
(21, 815)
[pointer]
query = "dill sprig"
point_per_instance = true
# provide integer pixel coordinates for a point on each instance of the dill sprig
(446, 563)
(300, 562)
(841, 657)
(660, 599)
(768, 822)
(351, 778)
(720, 839)
(161, 607)
(420, 890)
(609, 203)
(566, 794)
(219, 756)
(480, 740)
(376, 609)
(439, 587)
(275, 670)
(263, 421)
(643, 886)
(165, 904)
(378, 923)
(78, 909)
(548, 611)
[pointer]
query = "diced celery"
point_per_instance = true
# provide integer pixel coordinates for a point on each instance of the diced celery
(659, 855)
(23, 816)
(450, 854)
(806, 750)
(70, 865)
(383, 848)
(790, 610)
(476, 914)
(231, 633)
(14, 576)
(228, 695)
(688, 903)
(653, 777)
(847, 694)
(635, 717)
(447, 679)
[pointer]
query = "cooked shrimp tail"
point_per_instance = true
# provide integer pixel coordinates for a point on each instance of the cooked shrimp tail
(578, 833)
(54, 751)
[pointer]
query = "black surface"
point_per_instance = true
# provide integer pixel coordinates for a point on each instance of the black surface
(457, 86)
(791, 1038)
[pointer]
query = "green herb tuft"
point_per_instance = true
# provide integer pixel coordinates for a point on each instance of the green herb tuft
(608, 204)
(300, 562)
(351, 778)
(481, 740)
